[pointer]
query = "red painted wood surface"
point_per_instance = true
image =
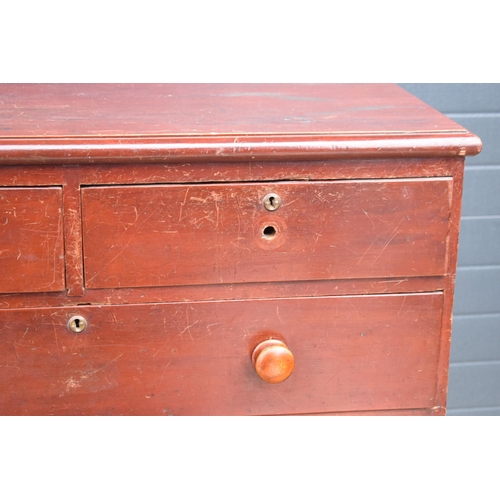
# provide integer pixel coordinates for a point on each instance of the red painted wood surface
(358, 285)
(201, 234)
(73, 232)
(177, 173)
(31, 240)
(108, 123)
(410, 412)
(351, 353)
(446, 328)
(105, 110)
(195, 293)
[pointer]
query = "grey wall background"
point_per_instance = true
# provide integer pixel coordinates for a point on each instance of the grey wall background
(474, 386)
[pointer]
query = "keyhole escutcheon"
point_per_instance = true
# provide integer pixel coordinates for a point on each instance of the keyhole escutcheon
(271, 202)
(77, 324)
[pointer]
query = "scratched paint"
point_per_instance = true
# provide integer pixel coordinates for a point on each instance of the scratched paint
(202, 234)
(195, 358)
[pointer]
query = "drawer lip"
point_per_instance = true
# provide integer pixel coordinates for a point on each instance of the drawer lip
(281, 182)
(32, 239)
(427, 411)
(357, 353)
(418, 209)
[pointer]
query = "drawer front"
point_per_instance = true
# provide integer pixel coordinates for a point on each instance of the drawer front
(31, 240)
(351, 353)
(137, 236)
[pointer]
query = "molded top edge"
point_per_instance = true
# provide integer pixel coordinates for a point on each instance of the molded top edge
(162, 121)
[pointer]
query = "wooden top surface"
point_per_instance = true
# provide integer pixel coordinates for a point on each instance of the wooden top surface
(158, 122)
(143, 110)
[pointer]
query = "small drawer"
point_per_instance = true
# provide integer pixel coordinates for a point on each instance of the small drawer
(350, 353)
(157, 235)
(31, 240)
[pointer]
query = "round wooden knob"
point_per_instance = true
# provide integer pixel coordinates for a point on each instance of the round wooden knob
(273, 361)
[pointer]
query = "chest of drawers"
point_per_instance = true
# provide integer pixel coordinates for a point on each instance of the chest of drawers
(226, 249)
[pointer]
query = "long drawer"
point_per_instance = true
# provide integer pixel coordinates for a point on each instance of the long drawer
(158, 235)
(371, 352)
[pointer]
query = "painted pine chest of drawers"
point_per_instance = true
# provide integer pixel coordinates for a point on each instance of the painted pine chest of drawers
(226, 249)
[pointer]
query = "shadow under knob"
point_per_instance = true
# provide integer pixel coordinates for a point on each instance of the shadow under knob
(273, 361)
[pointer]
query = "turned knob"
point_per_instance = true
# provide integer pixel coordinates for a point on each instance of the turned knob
(273, 361)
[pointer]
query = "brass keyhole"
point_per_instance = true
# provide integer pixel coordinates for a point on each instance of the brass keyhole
(77, 324)
(271, 202)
